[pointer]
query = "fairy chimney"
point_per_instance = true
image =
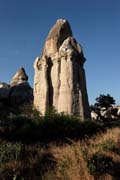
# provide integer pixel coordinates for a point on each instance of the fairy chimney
(59, 79)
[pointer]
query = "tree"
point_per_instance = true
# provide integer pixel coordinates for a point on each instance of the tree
(104, 101)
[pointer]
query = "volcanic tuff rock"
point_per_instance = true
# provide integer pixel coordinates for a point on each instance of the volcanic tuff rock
(59, 74)
(60, 31)
(19, 77)
(17, 92)
(4, 90)
(20, 91)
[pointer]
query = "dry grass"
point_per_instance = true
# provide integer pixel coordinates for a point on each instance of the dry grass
(96, 158)
(74, 162)
(102, 142)
(103, 154)
(70, 163)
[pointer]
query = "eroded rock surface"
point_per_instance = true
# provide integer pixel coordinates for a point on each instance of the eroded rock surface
(20, 91)
(17, 93)
(59, 74)
(4, 94)
(4, 90)
(19, 77)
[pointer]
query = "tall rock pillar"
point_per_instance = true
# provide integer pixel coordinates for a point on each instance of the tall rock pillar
(59, 74)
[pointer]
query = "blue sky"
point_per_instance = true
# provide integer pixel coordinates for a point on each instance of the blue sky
(24, 25)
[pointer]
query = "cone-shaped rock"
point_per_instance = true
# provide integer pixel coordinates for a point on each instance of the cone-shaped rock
(19, 77)
(59, 74)
(20, 91)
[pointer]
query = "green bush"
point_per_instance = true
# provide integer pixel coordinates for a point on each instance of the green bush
(52, 126)
(100, 163)
(91, 168)
(9, 151)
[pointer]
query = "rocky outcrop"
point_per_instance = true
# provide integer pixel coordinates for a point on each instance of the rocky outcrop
(16, 93)
(20, 94)
(59, 74)
(4, 94)
(4, 90)
(19, 77)
(20, 91)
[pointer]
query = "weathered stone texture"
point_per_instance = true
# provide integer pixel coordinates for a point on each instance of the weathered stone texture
(17, 93)
(4, 91)
(20, 90)
(19, 77)
(59, 74)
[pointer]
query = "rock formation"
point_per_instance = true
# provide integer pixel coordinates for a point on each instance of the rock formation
(4, 90)
(4, 94)
(59, 74)
(16, 93)
(19, 77)
(20, 91)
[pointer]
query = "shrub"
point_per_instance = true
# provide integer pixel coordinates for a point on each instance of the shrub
(52, 126)
(9, 151)
(100, 163)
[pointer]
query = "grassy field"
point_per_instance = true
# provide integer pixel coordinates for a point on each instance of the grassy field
(58, 147)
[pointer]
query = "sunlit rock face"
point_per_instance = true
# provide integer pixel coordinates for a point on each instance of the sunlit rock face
(20, 90)
(59, 74)
(17, 93)
(19, 77)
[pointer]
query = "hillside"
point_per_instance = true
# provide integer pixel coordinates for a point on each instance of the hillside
(58, 147)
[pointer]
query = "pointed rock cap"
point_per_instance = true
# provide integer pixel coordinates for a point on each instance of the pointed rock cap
(59, 32)
(19, 77)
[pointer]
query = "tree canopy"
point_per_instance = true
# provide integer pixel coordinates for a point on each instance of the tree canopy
(104, 101)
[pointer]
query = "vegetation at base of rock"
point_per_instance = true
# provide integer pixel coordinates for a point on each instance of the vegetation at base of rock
(104, 108)
(52, 127)
(58, 146)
